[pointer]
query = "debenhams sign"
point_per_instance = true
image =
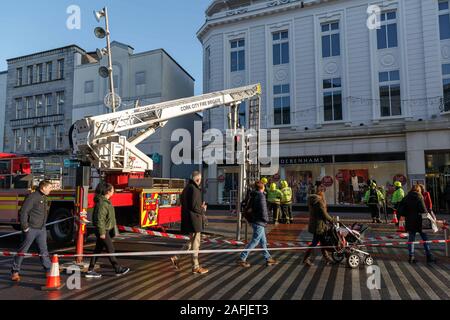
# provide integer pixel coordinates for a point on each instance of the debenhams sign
(306, 160)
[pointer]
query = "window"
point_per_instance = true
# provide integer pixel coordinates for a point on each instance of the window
(242, 115)
(331, 43)
(49, 70)
(237, 55)
(446, 86)
(444, 20)
(39, 138)
(140, 78)
(48, 138)
(332, 99)
(28, 139)
(116, 82)
(19, 108)
(19, 76)
(30, 74)
(48, 104)
(60, 69)
(17, 140)
(282, 104)
(59, 136)
(39, 73)
(29, 107)
(390, 102)
(39, 106)
(387, 34)
(88, 86)
(60, 102)
(280, 47)
(208, 63)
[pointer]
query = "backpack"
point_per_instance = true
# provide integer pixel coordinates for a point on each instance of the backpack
(247, 210)
(402, 206)
(373, 197)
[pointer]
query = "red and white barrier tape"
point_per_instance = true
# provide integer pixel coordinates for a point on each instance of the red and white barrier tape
(184, 252)
(48, 224)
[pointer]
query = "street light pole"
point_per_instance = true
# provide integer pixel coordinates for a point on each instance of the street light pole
(110, 68)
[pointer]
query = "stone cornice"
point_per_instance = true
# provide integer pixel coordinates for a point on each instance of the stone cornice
(257, 10)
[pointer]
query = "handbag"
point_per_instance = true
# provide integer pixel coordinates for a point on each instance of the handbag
(114, 231)
(429, 222)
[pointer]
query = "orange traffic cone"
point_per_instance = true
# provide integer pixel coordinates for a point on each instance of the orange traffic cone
(53, 278)
(401, 225)
(394, 218)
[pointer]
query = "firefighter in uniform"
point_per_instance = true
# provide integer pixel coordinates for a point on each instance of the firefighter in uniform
(398, 194)
(286, 202)
(265, 182)
(373, 199)
(274, 196)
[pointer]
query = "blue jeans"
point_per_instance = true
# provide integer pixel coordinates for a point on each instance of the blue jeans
(40, 236)
(259, 235)
(412, 238)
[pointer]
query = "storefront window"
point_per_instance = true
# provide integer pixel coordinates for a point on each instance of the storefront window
(344, 183)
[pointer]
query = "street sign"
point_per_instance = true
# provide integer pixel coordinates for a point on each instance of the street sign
(71, 163)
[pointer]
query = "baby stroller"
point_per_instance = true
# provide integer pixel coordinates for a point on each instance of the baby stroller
(346, 242)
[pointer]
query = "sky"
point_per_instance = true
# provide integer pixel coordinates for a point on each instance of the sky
(29, 26)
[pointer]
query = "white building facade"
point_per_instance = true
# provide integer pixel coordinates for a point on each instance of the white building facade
(3, 81)
(352, 103)
(148, 77)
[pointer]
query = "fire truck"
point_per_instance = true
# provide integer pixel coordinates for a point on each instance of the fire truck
(140, 200)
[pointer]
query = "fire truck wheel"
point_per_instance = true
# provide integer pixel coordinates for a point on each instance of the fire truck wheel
(62, 232)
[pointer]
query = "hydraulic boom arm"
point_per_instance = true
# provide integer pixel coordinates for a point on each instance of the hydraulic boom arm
(97, 139)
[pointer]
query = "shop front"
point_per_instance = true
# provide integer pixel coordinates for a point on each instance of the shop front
(344, 178)
(437, 165)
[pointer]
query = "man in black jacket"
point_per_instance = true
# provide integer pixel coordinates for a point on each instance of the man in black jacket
(259, 222)
(33, 216)
(192, 220)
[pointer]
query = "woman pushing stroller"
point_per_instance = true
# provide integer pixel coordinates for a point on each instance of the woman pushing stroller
(318, 218)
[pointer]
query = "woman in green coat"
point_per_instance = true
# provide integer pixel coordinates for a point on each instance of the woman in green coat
(104, 220)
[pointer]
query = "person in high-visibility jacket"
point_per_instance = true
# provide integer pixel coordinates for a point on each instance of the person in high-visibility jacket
(373, 198)
(274, 196)
(265, 182)
(398, 194)
(286, 202)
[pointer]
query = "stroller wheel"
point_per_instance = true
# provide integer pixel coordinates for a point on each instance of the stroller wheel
(368, 261)
(353, 261)
(337, 256)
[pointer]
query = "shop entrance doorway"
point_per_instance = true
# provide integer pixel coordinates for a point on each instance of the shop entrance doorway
(437, 186)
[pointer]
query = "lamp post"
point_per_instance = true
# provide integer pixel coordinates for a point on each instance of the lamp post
(103, 71)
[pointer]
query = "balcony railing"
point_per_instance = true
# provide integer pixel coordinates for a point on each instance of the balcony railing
(37, 120)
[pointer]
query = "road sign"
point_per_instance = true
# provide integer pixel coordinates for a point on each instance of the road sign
(71, 163)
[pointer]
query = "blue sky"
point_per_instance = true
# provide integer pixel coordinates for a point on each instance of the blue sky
(28, 26)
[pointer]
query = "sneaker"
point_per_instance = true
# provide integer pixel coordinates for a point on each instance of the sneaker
(15, 277)
(175, 262)
(379, 221)
(123, 271)
(431, 259)
(271, 262)
(93, 274)
(243, 263)
(412, 259)
(200, 270)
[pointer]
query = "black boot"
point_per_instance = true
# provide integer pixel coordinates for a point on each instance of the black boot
(306, 260)
(412, 259)
(431, 259)
(327, 257)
